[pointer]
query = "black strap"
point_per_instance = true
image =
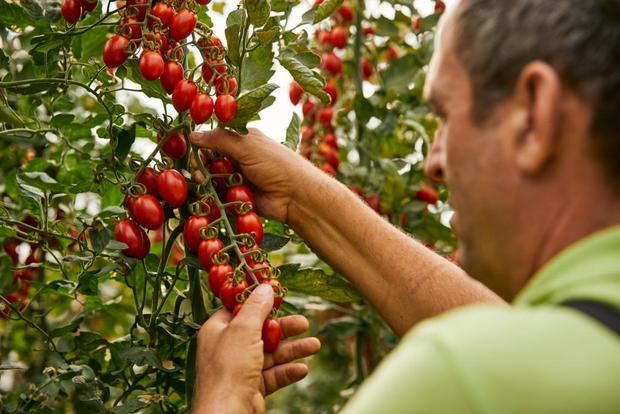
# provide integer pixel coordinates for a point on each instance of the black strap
(605, 314)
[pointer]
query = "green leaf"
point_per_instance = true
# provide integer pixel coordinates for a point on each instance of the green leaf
(131, 405)
(42, 181)
(250, 103)
(315, 282)
(386, 27)
(13, 15)
(310, 81)
(124, 141)
(326, 9)
(257, 67)
(99, 238)
(150, 89)
(271, 242)
(292, 133)
(234, 23)
(399, 75)
(258, 11)
(144, 356)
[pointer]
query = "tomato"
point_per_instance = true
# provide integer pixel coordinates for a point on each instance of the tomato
(229, 292)
(308, 108)
(160, 42)
(307, 133)
(71, 11)
(138, 243)
(295, 92)
(182, 24)
(175, 146)
(326, 115)
(346, 12)
(221, 166)
(374, 202)
(339, 37)
(191, 231)
(210, 206)
(250, 223)
(225, 108)
(207, 69)
(306, 151)
(183, 95)
(238, 193)
(131, 28)
(203, 2)
(226, 85)
(236, 309)
(218, 274)
(172, 187)
(416, 24)
(330, 139)
(331, 63)
(261, 275)
(332, 90)
(325, 38)
(172, 75)
(368, 31)
(440, 7)
(88, 5)
(207, 249)
(149, 178)
(138, 8)
(115, 51)
(147, 212)
(10, 247)
(427, 194)
(392, 54)
(151, 65)
(163, 12)
(330, 155)
(328, 169)
(367, 68)
(201, 108)
(278, 292)
(129, 202)
(271, 334)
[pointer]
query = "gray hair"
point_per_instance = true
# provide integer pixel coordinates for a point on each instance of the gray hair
(496, 39)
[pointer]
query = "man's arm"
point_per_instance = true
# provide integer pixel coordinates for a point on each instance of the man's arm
(403, 279)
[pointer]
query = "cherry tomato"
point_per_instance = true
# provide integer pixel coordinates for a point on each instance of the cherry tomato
(207, 249)
(392, 54)
(131, 28)
(191, 231)
(339, 37)
(115, 51)
(163, 12)
(308, 108)
(218, 274)
(328, 169)
(175, 146)
(182, 24)
(129, 203)
(416, 24)
(208, 68)
(225, 108)
(71, 11)
(221, 166)
(368, 31)
(236, 309)
(148, 212)
(307, 133)
(138, 8)
(330, 139)
(172, 187)
(183, 95)
(160, 42)
(367, 68)
(172, 75)
(149, 178)
(10, 247)
(201, 108)
(331, 63)
(239, 193)
(295, 92)
(325, 38)
(271, 334)
(374, 202)
(277, 290)
(326, 115)
(330, 155)
(229, 292)
(210, 206)
(427, 194)
(346, 12)
(332, 90)
(250, 223)
(226, 85)
(151, 65)
(203, 2)
(440, 7)
(261, 275)
(138, 243)
(88, 5)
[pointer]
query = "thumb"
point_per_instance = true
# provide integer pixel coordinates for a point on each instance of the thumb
(257, 307)
(220, 140)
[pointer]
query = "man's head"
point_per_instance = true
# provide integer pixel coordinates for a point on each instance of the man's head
(529, 96)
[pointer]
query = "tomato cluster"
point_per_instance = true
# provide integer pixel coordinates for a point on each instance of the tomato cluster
(19, 289)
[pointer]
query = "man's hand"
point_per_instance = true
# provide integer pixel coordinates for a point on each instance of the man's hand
(234, 375)
(276, 171)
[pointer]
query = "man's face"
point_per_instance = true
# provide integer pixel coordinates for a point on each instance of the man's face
(477, 167)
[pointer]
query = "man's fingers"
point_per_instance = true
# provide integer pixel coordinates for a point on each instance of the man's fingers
(294, 325)
(292, 350)
(255, 309)
(282, 375)
(218, 321)
(220, 140)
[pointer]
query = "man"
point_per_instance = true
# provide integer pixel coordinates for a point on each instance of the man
(528, 93)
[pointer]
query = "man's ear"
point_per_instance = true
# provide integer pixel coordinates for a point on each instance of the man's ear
(537, 96)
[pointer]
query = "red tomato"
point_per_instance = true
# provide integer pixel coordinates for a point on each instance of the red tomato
(191, 231)
(271, 334)
(182, 24)
(326, 115)
(368, 31)
(149, 178)
(131, 28)
(440, 7)
(172, 75)
(218, 274)
(392, 54)
(160, 42)
(183, 95)
(10, 247)
(330, 155)
(129, 202)
(151, 65)
(328, 169)
(88, 5)
(332, 90)
(325, 38)
(278, 292)
(163, 12)
(295, 92)
(210, 66)
(225, 108)
(236, 309)
(331, 63)
(261, 275)
(230, 291)
(206, 250)
(115, 51)
(339, 37)
(374, 202)
(330, 139)
(308, 108)
(175, 146)
(226, 85)
(416, 24)
(138, 244)
(250, 223)
(239, 193)
(307, 133)
(427, 194)
(346, 12)
(210, 206)
(148, 212)
(367, 69)
(71, 11)
(172, 187)
(221, 166)
(138, 8)
(203, 2)
(202, 108)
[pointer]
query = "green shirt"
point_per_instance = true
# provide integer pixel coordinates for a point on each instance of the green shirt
(533, 357)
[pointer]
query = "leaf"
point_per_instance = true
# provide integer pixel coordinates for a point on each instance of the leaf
(292, 133)
(99, 238)
(310, 81)
(144, 356)
(41, 181)
(271, 242)
(150, 89)
(250, 103)
(124, 141)
(386, 27)
(131, 405)
(325, 9)
(399, 74)
(315, 282)
(13, 15)
(258, 11)
(257, 67)
(234, 23)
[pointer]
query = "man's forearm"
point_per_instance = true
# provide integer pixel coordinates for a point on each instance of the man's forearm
(405, 281)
